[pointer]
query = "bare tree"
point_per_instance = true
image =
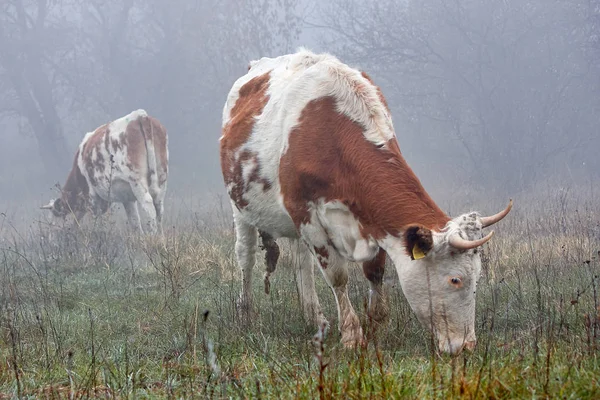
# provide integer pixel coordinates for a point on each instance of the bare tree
(71, 65)
(593, 20)
(177, 59)
(28, 46)
(492, 83)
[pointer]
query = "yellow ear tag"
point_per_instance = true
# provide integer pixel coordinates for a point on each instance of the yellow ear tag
(417, 252)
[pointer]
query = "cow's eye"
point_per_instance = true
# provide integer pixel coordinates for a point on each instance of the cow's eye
(456, 281)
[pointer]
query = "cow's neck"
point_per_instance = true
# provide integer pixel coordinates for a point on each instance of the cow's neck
(396, 198)
(75, 189)
(329, 157)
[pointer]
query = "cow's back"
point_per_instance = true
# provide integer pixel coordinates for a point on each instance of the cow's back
(115, 156)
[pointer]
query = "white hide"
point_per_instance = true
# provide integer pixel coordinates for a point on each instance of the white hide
(343, 230)
(295, 80)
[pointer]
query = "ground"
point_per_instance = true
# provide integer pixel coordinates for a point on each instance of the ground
(93, 312)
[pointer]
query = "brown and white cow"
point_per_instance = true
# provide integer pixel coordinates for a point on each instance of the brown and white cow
(124, 161)
(309, 153)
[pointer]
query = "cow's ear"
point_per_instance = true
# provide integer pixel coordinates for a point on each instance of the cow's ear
(418, 241)
(59, 205)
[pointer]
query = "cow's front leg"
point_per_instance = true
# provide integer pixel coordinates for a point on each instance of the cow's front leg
(99, 205)
(335, 270)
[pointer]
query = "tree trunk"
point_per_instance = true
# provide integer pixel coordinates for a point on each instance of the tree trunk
(53, 151)
(45, 124)
(22, 61)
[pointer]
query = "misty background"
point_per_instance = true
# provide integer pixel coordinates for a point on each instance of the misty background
(490, 98)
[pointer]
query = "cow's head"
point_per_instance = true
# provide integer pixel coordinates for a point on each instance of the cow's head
(441, 280)
(59, 207)
(67, 203)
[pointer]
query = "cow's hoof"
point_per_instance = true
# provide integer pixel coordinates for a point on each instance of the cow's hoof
(321, 321)
(379, 316)
(352, 334)
(245, 312)
(354, 343)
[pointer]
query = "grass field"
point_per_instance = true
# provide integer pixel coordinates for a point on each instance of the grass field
(91, 312)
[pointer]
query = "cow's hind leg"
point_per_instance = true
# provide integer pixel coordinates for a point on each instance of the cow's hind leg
(158, 200)
(147, 203)
(335, 270)
(245, 251)
(378, 306)
(133, 215)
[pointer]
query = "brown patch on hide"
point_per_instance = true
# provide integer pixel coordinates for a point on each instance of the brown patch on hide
(91, 154)
(117, 145)
(271, 250)
(375, 268)
(329, 158)
(236, 180)
(239, 187)
(250, 103)
(255, 175)
(322, 256)
(161, 149)
(140, 134)
(271, 256)
(154, 135)
(135, 145)
(75, 192)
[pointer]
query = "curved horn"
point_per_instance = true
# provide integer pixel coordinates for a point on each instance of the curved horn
(461, 244)
(491, 220)
(48, 206)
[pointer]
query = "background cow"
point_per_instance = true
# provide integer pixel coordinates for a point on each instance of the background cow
(124, 161)
(308, 152)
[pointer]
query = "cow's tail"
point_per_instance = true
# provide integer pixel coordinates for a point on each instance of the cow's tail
(147, 129)
(271, 256)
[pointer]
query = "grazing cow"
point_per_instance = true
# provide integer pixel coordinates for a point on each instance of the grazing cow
(308, 152)
(124, 161)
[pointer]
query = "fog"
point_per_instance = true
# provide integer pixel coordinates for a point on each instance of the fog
(490, 98)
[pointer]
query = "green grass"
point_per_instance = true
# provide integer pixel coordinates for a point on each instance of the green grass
(93, 312)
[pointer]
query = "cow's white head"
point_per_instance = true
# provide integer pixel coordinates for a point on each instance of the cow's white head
(440, 282)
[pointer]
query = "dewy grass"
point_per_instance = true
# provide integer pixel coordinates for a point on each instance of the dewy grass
(92, 311)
